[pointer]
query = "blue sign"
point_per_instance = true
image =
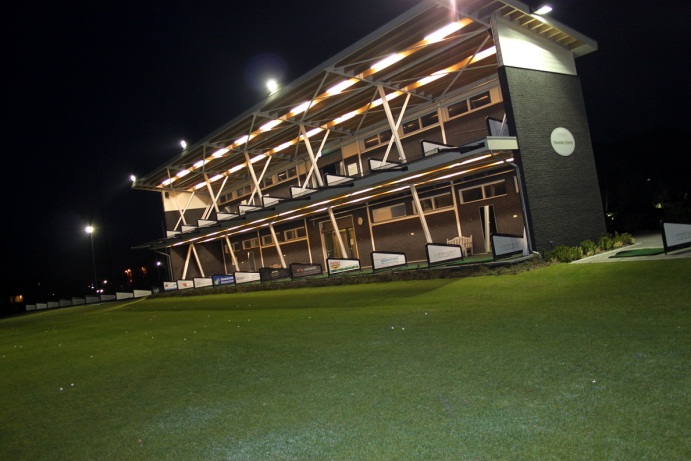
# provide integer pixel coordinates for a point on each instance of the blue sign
(225, 279)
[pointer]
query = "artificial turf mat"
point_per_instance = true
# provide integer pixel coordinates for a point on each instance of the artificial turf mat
(564, 362)
(640, 252)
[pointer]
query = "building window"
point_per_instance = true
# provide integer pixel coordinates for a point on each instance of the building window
(287, 174)
(243, 191)
(472, 103)
(485, 191)
(458, 108)
(294, 234)
(268, 180)
(377, 139)
(419, 123)
(429, 119)
(479, 100)
(436, 202)
(352, 169)
(234, 245)
(411, 126)
(388, 213)
(495, 189)
(250, 243)
(267, 240)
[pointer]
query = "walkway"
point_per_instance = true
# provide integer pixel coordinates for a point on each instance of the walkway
(643, 240)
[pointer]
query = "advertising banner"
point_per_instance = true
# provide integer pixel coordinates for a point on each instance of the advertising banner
(141, 293)
(65, 302)
(185, 284)
(53, 304)
(201, 282)
(676, 235)
(246, 277)
(78, 301)
(387, 260)
(438, 253)
(31, 307)
(41, 306)
(339, 265)
(105, 298)
(170, 286)
(267, 274)
(120, 295)
(93, 299)
(222, 279)
(305, 270)
(505, 245)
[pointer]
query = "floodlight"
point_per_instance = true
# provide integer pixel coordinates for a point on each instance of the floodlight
(183, 144)
(272, 86)
(543, 9)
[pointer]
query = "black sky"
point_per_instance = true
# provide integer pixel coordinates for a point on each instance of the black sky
(94, 92)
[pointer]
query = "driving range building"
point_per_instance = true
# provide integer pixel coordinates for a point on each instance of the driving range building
(441, 127)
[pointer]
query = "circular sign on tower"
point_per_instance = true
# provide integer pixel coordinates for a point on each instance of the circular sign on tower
(563, 142)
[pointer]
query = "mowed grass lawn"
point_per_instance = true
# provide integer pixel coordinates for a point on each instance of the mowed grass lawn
(586, 361)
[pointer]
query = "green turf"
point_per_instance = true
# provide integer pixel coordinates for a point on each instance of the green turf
(565, 362)
(639, 252)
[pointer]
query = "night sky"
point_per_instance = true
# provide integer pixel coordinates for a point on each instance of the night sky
(95, 92)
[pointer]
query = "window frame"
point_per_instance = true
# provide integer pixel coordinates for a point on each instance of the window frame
(391, 216)
(435, 206)
(484, 188)
(250, 243)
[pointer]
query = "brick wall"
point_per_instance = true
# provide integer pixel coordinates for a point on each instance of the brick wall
(563, 195)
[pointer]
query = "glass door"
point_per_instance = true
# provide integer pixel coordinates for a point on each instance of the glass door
(333, 250)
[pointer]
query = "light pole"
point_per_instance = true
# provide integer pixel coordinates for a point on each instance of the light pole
(90, 230)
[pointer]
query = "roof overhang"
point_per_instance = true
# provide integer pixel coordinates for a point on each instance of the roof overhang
(429, 53)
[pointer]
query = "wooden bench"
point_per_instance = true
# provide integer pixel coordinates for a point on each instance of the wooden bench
(466, 243)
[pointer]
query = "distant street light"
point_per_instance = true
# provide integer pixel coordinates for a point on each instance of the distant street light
(183, 144)
(90, 230)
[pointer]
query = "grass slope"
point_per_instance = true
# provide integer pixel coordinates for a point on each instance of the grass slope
(565, 362)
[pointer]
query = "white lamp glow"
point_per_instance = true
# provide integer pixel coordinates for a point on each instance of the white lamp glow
(272, 86)
(544, 9)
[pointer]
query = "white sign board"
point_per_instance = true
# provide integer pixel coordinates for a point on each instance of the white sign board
(441, 253)
(507, 245)
(170, 286)
(185, 284)
(676, 235)
(247, 277)
(141, 293)
(383, 260)
(119, 295)
(337, 266)
(200, 282)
